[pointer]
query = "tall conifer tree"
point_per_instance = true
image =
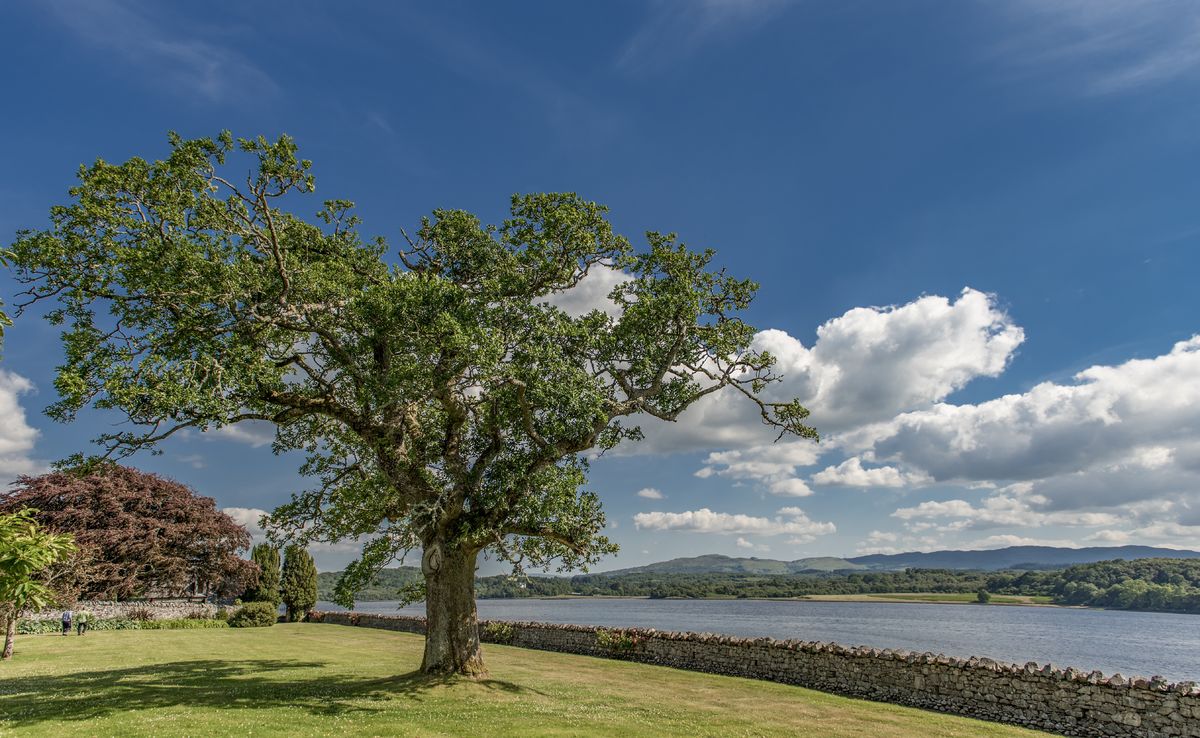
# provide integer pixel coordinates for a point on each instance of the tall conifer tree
(267, 589)
(298, 587)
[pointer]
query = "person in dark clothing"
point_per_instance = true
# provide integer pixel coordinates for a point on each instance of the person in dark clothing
(66, 621)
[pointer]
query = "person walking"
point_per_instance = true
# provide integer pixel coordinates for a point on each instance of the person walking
(66, 621)
(82, 619)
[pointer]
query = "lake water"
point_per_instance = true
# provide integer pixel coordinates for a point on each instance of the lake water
(1132, 643)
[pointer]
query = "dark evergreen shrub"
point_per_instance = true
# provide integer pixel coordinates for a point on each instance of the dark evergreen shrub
(266, 587)
(298, 585)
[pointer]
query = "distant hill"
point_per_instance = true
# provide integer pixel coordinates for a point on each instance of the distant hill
(385, 586)
(1016, 557)
(390, 581)
(719, 564)
(1013, 557)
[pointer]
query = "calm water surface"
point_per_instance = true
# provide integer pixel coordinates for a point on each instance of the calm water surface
(1132, 643)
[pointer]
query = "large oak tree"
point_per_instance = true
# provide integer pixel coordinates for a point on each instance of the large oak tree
(444, 402)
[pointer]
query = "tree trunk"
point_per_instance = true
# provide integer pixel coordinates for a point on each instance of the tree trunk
(452, 628)
(10, 635)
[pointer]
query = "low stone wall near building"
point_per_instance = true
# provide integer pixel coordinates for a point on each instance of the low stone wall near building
(1065, 701)
(158, 609)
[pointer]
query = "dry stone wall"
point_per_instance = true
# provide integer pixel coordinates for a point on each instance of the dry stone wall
(159, 610)
(1065, 701)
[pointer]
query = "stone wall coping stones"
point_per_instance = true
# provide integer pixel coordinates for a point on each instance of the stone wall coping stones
(163, 609)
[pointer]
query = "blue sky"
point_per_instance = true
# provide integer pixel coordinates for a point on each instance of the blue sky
(953, 208)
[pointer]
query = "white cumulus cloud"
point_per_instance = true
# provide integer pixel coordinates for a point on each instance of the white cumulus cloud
(772, 465)
(1117, 435)
(851, 473)
(591, 293)
(790, 520)
(1009, 507)
(17, 437)
(249, 518)
(866, 367)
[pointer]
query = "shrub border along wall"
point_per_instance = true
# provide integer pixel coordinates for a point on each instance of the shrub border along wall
(1065, 701)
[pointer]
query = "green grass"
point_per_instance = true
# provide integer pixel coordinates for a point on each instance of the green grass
(315, 679)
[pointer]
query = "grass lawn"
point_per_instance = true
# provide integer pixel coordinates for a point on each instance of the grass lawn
(317, 679)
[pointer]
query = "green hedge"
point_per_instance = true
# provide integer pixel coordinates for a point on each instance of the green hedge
(37, 627)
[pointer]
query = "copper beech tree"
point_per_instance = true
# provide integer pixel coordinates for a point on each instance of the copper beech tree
(444, 402)
(136, 534)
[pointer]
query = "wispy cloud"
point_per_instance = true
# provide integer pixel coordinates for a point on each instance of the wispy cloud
(475, 54)
(1112, 46)
(180, 63)
(380, 121)
(674, 29)
(253, 433)
(196, 461)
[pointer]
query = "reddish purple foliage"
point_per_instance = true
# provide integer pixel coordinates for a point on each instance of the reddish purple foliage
(139, 534)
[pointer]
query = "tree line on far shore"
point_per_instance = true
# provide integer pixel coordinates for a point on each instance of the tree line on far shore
(1165, 585)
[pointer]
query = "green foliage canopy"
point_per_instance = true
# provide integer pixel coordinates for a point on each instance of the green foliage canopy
(440, 397)
(26, 552)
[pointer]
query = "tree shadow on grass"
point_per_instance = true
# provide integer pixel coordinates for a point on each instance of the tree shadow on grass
(215, 684)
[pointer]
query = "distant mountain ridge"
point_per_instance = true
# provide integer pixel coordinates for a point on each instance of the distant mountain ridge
(1012, 557)
(1018, 557)
(390, 581)
(721, 564)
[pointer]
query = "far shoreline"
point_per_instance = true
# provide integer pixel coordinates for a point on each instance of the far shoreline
(900, 598)
(906, 598)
